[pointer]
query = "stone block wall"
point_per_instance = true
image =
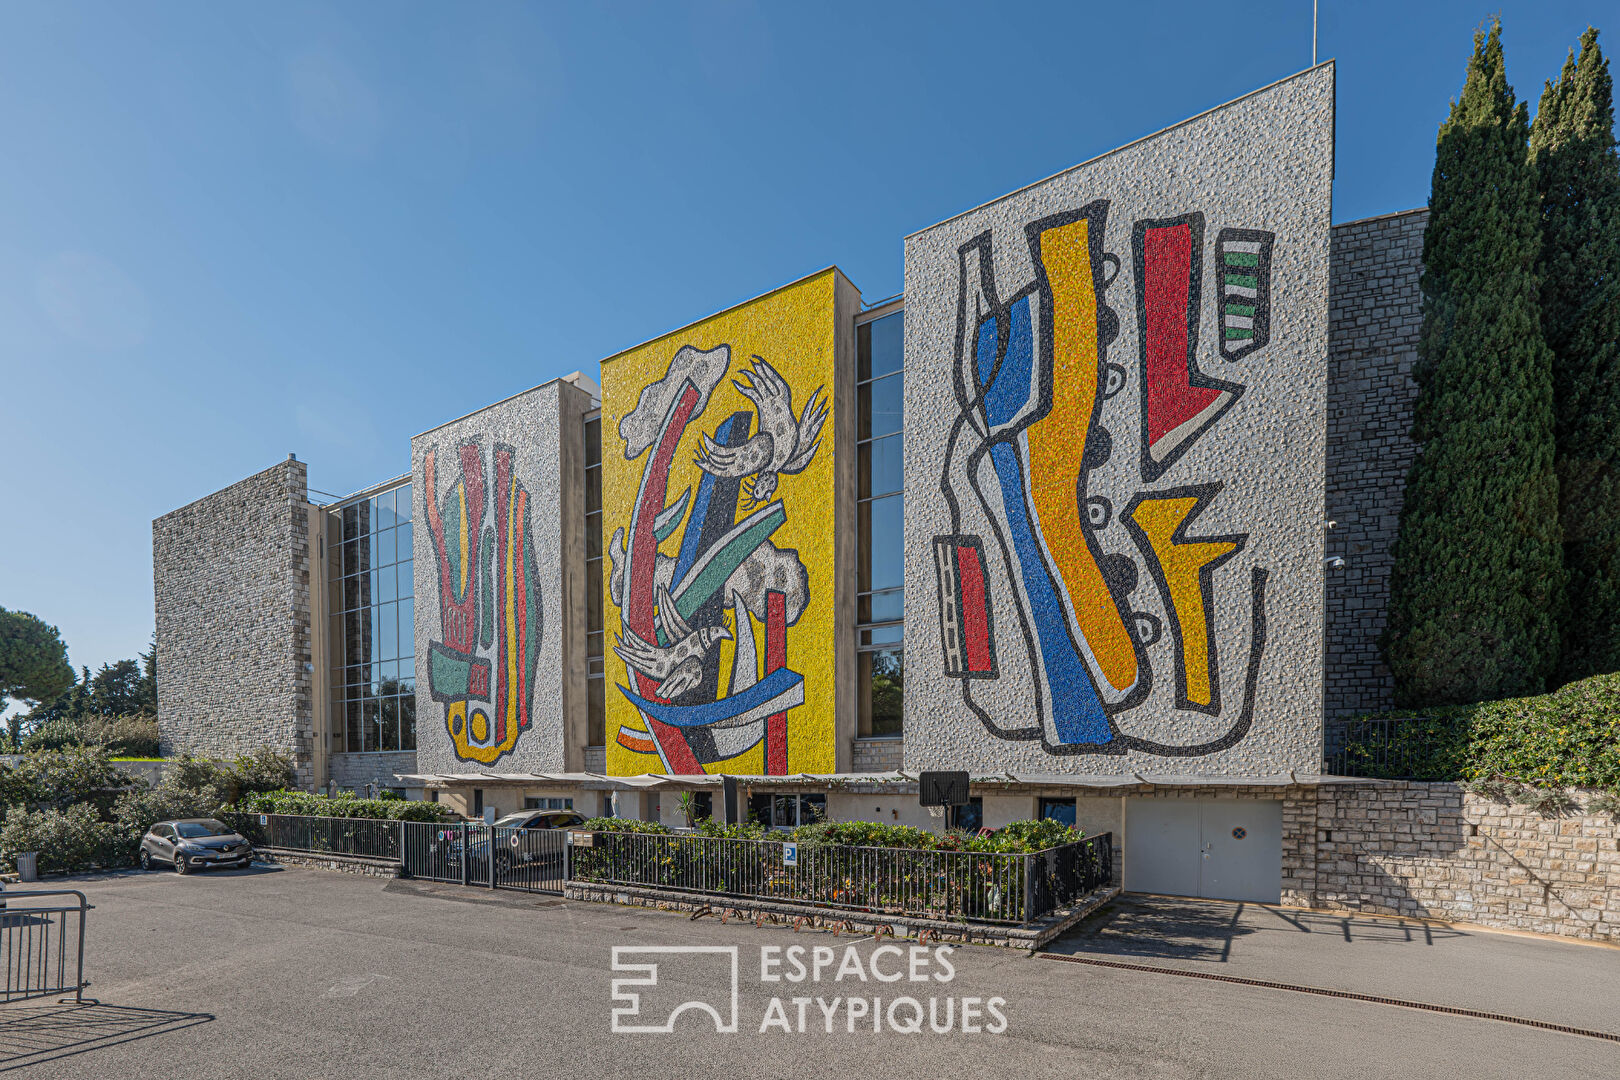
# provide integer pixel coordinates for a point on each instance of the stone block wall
(877, 755)
(1436, 851)
(231, 581)
(1375, 316)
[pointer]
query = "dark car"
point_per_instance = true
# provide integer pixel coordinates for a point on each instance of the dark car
(194, 843)
(512, 849)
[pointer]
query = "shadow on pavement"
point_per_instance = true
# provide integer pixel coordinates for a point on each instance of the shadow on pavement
(1201, 930)
(31, 1034)
(1148, 926)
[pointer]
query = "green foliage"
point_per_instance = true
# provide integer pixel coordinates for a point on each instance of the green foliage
(1568, 738)
(1030, 836)
(55, 780)
(138, 809)
(1605, 802)
(33, 662)
(1478, 579)
(1572, 146)
(120, 736)
(72, 839)
(263, 770)
(866, 834)
(742, 830)
(626, 825)
(345, 806)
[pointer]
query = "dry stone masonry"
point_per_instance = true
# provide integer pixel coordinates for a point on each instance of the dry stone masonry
(231, 580)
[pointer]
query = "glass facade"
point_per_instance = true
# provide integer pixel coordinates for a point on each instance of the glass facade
(373, 623)
(595, 677)
(880, 517)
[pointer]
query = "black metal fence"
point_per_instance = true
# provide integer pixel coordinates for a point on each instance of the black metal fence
(1397, 748)
(369, 838)
(42, 943)
(530, 860)
(996, 887)
(980, 886)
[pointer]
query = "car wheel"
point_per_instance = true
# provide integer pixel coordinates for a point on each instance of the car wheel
(146, 859)
(179, 863)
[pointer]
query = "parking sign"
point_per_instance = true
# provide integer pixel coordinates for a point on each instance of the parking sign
(790, 854)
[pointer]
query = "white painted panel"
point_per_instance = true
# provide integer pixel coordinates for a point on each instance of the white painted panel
(1161, 846)
(1242, 849)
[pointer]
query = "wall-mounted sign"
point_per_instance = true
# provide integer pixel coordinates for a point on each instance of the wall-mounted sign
(790, 854)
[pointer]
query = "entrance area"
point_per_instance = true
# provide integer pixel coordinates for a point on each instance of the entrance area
(1222, 849)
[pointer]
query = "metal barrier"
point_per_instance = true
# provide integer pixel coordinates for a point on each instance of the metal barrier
(529, 860)
(982, 886)
(1396, 748)
(41, 943)
(370, 838)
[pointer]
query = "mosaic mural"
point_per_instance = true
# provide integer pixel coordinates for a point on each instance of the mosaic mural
(489, 601)
(718, 495)
(1121, 408)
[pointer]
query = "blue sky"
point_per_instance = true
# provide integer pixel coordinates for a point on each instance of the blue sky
(236, 231)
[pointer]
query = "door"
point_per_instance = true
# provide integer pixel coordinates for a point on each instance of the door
(1223, 849)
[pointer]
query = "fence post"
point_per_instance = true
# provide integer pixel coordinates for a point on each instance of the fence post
(489, 831)
(402, 842)
(464, 853)
(1029, 888)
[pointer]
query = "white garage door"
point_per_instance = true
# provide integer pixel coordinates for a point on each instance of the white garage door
(1224, 849)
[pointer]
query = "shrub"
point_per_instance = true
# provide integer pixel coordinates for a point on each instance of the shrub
(1605, 802)
(1568, 738)
(261, 771)
(625, 825)
(866, 834)
(137, 810)
(346, 806)
(57, 779)
(120, 736)
(1026, 836)
(70, 839)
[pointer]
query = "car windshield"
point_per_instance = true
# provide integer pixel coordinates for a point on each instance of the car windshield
(193, 830)
(512, 821)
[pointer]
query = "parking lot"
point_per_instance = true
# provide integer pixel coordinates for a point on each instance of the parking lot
(307, 973)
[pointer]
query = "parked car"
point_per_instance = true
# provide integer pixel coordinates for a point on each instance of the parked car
(511, 848)
(194, 843)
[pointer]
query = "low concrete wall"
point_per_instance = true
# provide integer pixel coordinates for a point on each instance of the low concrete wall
(350, 864)
(1033, 936)
(1437, 851)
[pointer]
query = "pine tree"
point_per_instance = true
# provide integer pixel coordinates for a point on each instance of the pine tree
(1578, 173)
(1478, 577)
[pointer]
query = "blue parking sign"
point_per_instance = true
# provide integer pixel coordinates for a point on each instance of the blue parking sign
(790, 854)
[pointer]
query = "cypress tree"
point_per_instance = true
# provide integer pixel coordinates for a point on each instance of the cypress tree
(1578, 173)
(1478, 577)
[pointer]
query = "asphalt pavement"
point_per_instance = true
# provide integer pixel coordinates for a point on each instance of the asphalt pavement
(272, 973)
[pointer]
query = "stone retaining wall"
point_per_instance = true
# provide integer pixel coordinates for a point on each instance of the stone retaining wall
(1436, 851)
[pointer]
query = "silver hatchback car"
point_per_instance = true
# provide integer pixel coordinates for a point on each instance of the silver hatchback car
(194, 843)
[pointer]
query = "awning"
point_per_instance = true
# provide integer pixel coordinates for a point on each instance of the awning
(1015, 778)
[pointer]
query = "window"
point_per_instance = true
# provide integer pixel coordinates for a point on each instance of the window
(533, 802)
(1058, 810)
(595, 673)
(702, 805)
(371, 594)
(880, 519)
(478, 801)
(969, 816)
(783, 811)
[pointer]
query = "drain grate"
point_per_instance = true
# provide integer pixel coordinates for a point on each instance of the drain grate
(1320, 991)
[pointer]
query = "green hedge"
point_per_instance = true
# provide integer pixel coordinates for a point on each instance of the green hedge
(1568, 738)
(1016, 838)
(344, 806)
